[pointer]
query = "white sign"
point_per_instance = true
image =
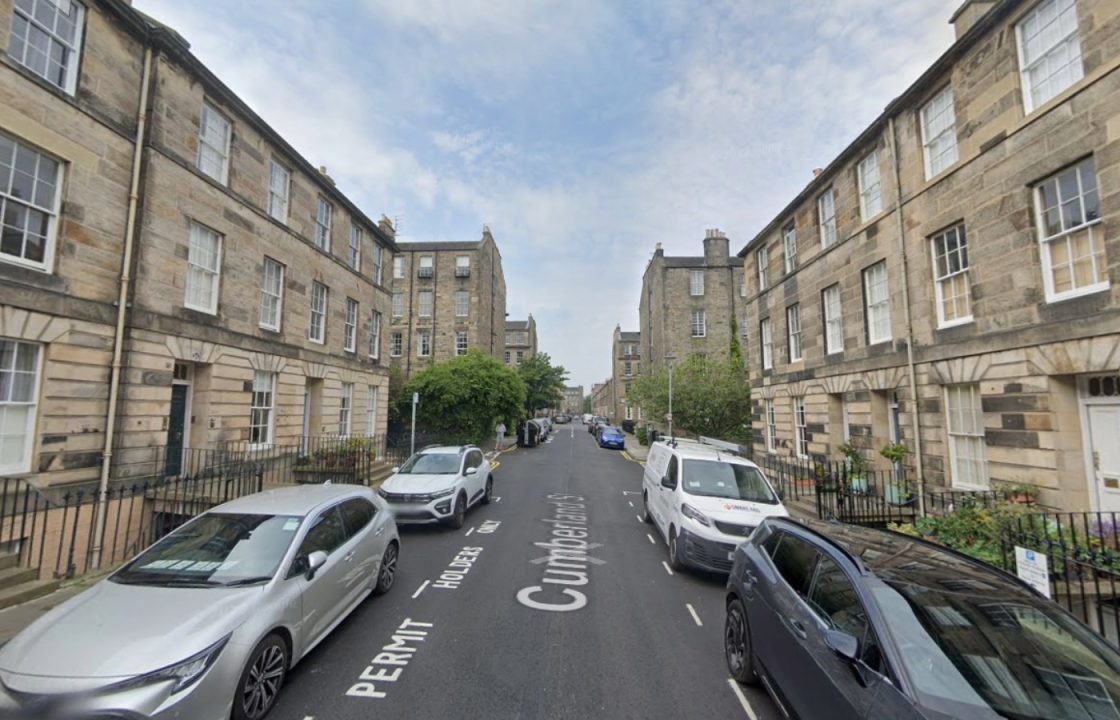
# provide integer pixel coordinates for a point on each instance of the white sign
(1033, 569)
(668, 417)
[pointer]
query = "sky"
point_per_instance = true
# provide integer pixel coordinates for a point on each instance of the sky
(583, 132)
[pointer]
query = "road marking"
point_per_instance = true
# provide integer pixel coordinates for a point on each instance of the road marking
(694, 615)
(497, 499)
(631, 503)
(666, 566)
(470, 531)
(630, 492)
(420, 589)
(639, 518)
(495, 466)
(651, 540)
(742, 698)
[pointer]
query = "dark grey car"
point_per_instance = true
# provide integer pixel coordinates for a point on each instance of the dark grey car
(842, 622)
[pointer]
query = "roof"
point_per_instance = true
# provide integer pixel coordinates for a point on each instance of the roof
(630, 336)
(517, 324)
(439, 246)
(696, 450)
(292, 500)
(445, 449)
(697, 262)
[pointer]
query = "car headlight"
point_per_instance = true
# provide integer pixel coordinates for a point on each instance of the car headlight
(184, 674)
(690, 512)
(440, 493)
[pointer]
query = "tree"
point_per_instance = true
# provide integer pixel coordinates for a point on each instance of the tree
(710, 397)
(735, 352)
(398, 405)
(463, 399)
(544, 383)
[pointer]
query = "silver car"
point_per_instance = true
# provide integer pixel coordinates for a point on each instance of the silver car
(205, 623)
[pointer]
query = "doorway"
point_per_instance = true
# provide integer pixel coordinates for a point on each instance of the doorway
(178, 427)
(1101, 400)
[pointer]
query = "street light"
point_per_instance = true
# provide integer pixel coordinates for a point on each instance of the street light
(669, 358)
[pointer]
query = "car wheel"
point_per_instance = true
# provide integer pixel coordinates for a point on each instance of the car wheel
(261, 679)
(388, 572)
(737, 645)
(460, 515)
(489, 494)
(646, 517)
(676, 558)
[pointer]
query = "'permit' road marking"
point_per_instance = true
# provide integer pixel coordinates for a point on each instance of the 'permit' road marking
(742, 698)
(694, 615)
(666, 566)
(651, 540)
(396, 655)
(420, 589)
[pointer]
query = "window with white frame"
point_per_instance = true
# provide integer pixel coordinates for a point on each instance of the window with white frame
(793, 327)
(29, 200)
(427, 266)
(425, 303)
(213, 144)
(372, 395)
(763, 268)
(462, 303)
(323, 224)
(699, 323)
(263, 408)
(272, 294)
(628, 368)
(520, 356)
(398, 268)
(695, 282)
(507, 357)
(396, 344)
(767, 343)
(378, 257)
(279, 187)
(743, 284)
(789, 242)
(374, 343)
(345, 409)
(965, 422)
(833, 320)
(355, 256)
(47, 39)
(629, 413)
(350, 329)
(939, 132)
(462, 266)
(826, 216)
(771, 427)
(1049, 51)
(317, 329)
(398, 305)
(204, 264)
(870, 188)
(20, 364)
(461, 342)
(424, 343)
(1071, 234)
(801, 434)
(877, 303)
(950, 276)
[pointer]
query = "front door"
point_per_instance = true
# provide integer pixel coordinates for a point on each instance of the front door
(1104, 432)
(176, 427)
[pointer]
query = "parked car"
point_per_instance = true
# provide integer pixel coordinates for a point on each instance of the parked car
(438, 485)
(587, 418)
(562, 419)
(844, 622)
(597, 422)
(611, 437)
(528, 434)
(545, 426)
(704, 500)
(206, 623)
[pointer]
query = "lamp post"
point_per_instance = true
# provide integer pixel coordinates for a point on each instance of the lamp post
(669, 358)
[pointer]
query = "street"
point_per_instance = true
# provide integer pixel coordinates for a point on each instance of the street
(495, 620)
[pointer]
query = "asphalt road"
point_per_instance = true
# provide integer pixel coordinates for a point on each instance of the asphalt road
(552, 602)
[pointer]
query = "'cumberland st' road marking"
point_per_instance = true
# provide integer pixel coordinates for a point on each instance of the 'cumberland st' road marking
(567, 561)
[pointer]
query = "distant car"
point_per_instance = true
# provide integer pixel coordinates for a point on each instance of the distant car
(545, 425)
(842, 622)
(528, 434)
(611, 437)
(562, 419)
(206, 623)
(439, 485)
(587, 418)
(597, 422)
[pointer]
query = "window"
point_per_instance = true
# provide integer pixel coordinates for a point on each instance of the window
(950, 277)
(371, 410)
(396, 344)
(355, 257)
(426, 267)
(629, 413)
(398, 305)
(29, 199)
(793, 327)
(789, 242)
(213, 144)
(507, 357)
(317, 331)
(834, 599)
(356, 514)
(520, 356)
(323, 224)
(1049, 51)
(378, 257)
(327, 533)
(47, 38)
(19, 392)
(461, 343)
(763, 266)
(272, 294)
(699, 328)
(425, 303)
(877, 303)
(509, 339)
(826, 216)
(1069, 218)
(833, 320)
(743, 284)
(767, 342)
(965, 423)
(350, 329)
(771, 427)
(345, 405)
(795, 561)
(870, 191)
(374, 334)
(628, 369)
(939, 133)
(279, 185)
(424, 343)
(204, 261)
(262, 412)
(696, 282)
(462, 303)
(462, 266)
(398, 268)
(800, 434)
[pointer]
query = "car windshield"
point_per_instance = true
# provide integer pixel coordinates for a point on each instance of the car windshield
(215, 549)
(431, 464)
(608, 430)
(982, 655)
(713, 478)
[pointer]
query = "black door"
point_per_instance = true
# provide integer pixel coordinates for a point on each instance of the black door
(176, 423)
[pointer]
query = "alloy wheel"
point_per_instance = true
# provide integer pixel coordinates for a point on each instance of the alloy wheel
(262, 682)
(388, 572)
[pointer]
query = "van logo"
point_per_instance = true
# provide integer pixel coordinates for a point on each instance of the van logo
(749, 508)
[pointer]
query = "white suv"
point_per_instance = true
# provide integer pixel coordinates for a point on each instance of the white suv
(705, 500)
(438, 485)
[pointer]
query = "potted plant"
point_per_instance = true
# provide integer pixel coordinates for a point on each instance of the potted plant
(857, 468)
(898, 490)
(1019, 493)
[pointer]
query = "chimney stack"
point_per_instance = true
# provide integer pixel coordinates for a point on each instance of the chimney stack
(323, 172)
(817, 172)
(657, 251)
(968, 13)
(717, 250)
(386, 226)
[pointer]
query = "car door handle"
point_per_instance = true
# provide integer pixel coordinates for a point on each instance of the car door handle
(798, 628)
(379, 530)
(349, 556)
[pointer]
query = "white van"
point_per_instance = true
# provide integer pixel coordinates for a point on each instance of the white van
(705, 500)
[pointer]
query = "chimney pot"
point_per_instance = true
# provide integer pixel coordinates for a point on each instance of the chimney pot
(817, 171)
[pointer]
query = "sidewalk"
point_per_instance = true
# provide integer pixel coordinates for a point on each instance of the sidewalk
(637, 452)
(17, 617)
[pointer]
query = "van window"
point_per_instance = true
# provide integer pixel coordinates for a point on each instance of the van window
(715, 478)
(795, 560)
(672, 471)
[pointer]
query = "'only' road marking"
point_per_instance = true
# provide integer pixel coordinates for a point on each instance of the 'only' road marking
(694, 615)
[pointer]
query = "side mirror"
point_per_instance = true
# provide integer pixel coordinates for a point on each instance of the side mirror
(844, 645)
(470, 471)
(668, 482)
(315, 561)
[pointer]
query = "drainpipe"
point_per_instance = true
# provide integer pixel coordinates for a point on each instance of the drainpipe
(122, 312)
(919, 465)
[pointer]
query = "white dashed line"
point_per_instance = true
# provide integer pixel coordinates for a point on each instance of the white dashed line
(666, 566)
(651, 540)
(742, 698)
(694, 615)
(420, 589)
(631, 503)
(639, 517)
(470, 531)
(497, 499)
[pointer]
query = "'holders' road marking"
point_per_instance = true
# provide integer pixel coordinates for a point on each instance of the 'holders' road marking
(420, 589)
(694, 615)
(651, 540)
(666, 566)
(742, 698)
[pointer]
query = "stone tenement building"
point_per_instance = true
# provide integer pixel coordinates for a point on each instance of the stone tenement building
(521, 340)
(573, 400)
(601, 398)
(951, 280)
(240, 289)
(448, 297)
(626, 364)
(688, 303)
